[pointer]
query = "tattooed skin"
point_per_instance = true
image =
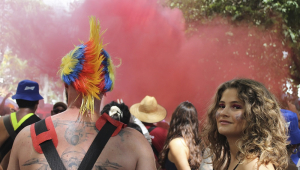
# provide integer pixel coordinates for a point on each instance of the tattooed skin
(72, 158)
(75, 135)
(122, 133)
(107, 165)
(76, 132)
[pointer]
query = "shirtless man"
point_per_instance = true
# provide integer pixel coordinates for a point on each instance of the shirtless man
(27, 97)
(76, 128)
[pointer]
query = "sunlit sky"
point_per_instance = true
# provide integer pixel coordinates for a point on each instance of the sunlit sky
(59, 3)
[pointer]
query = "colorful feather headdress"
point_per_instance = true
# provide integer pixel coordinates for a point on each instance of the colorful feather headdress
(89, 68)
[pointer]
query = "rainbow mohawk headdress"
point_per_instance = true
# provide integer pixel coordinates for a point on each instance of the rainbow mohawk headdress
(89, 68)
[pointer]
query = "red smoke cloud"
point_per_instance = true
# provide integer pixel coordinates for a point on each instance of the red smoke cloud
(158, 59)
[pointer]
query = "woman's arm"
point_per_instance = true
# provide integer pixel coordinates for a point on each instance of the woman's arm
(179, 154)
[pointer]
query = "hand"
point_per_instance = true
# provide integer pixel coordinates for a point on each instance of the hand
(292, 107)
(120, 101)
(7, 95)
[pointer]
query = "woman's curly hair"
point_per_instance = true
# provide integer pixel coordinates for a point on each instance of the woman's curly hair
(265, 133)
(184, 123)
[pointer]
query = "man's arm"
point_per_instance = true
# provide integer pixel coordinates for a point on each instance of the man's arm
(2, 105)
(16, 149)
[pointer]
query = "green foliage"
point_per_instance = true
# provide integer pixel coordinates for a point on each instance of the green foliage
(13, 70)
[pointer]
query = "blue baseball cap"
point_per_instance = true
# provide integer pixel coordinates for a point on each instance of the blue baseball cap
(292, 122)
(28, 90)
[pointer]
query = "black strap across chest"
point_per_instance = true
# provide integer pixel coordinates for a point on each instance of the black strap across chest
(7, 145)
(91, 156)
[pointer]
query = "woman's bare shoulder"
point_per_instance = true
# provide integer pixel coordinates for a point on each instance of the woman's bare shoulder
(252, 164)
(177, 142)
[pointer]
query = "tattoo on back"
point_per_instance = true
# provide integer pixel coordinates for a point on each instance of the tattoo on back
(122, 133)
(72, 158)
(76, 132)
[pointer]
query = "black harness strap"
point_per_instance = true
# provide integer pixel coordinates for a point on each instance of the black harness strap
(48, 148)
(91, 156)
(7, 145)
(9, 127)
(153, 148)
(97, 146)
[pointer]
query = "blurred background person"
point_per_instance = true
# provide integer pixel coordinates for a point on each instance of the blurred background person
(148, 111)
(58, 108)
(182, 146)
(294, 136)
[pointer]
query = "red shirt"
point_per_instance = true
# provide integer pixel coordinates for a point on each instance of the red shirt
(158, 135)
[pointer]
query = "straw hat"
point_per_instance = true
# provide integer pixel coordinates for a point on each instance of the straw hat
(148, 110)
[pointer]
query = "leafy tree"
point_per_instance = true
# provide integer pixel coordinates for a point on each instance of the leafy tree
(13, 70)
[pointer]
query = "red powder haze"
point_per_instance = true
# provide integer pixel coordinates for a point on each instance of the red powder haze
(157, 57)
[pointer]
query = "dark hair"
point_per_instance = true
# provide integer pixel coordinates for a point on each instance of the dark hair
(265, 134)
(124, 109)
(184, 123)
(125, 114)
(136, 127)
(61, 104)
(26, 103)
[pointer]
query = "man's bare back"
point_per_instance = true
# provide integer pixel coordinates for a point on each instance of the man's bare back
(128, 150)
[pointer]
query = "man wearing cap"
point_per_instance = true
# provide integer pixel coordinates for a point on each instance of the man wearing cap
(27, 98)
(80, 137)
(149, 112)
(294, 136)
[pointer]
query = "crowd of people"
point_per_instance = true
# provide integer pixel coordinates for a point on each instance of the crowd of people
(244, 127)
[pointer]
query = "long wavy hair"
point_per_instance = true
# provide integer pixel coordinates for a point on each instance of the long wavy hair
(265, 133)
(184, 123)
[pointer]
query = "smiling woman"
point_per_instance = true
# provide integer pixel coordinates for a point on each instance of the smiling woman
(245, 129)
(230, 115)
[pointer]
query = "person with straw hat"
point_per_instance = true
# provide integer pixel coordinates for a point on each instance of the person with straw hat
(149, 112)
(80, 137)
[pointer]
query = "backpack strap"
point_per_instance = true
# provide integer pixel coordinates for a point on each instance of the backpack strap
(151, 128)
(42, 136)
(43, 131)
(153, 148)
(9, 127)
(45, 142)
(98, 144)
(7, 145)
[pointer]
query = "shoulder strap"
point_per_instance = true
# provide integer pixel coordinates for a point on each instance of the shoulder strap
(9, 127)
(97, 146)
(92, 154)
(17, 124)
(48, 147)
(7, 145)
(151, 128)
